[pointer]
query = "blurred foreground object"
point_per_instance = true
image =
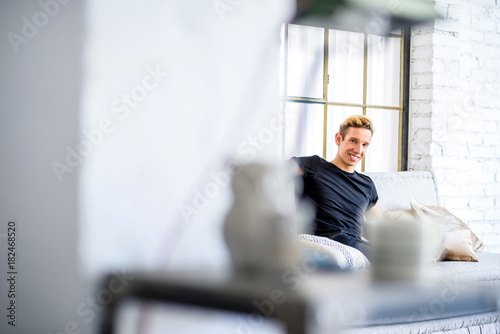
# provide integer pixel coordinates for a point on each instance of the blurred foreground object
(401, 249)
(371, 16)
(261, 226)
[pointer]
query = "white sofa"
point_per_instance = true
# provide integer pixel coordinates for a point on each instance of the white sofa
(395, 191)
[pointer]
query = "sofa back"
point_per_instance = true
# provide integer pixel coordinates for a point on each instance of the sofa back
(395, 189)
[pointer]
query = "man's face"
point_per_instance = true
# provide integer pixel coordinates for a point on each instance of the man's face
(353, 148)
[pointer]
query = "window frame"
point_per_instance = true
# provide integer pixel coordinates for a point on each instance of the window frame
(403, 107)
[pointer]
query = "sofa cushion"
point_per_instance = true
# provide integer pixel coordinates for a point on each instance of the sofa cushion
(449, 221)
(458, 247)
(458, 241)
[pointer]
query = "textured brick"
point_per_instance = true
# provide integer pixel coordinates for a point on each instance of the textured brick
(460, 202)
(465, 138)
(468, 59)
(467, 215)
(421, 40)
(438, 66)
(454, 12)
(483, 24)
(441, 38)
(481, 202)
(420, 108)
(462, 111)
(492, 189)
(446, 52)
(491, 240)
(447, 25)
(421, 94)
(448, 190)
(492, 215)
(423, 135)
(420, 123)
(423, 80)
(444, 79)
(477, 125)
(422, 29)
(480, 227)
(420, 148)
(490, 165)
(482, 178)
(492, 38)
(474, 9)
(441, 94)
(455, 150)
(472, 190)
(491, 114)
(480, 151)
(421, 66)
(420, 162)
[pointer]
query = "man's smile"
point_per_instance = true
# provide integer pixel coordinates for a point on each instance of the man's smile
(354, 157)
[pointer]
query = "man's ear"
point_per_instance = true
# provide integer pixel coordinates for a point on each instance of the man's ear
(338, 138)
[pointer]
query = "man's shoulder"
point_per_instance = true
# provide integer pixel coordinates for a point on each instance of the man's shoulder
(365, 177)
(307, 158)
(304, 161)
(308, 164)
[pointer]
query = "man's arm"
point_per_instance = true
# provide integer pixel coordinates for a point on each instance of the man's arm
(296, 167)
(374, 212)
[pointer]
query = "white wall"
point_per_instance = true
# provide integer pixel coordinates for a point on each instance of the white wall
(40, 86)
(455, 110)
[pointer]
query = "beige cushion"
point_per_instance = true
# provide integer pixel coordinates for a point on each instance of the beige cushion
(459, 241)
(449, 221)
(458, 247)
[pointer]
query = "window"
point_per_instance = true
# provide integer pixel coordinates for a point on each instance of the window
(328, 75)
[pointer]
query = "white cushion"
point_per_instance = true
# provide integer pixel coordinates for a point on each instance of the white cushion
(343, 256)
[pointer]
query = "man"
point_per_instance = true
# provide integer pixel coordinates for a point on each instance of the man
(340, 194)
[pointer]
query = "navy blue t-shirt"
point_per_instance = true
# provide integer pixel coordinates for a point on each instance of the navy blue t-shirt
(340, 198)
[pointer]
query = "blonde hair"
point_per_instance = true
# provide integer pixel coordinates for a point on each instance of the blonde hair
(355, 121)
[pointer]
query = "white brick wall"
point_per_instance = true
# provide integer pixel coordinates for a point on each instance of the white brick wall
(455, 110)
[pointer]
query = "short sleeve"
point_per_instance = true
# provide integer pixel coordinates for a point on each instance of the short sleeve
(373, 196)
(309, 165)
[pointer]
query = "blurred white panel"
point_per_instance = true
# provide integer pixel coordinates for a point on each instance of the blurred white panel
(173, 91)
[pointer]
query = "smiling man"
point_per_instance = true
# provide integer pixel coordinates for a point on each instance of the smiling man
(341, 195)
